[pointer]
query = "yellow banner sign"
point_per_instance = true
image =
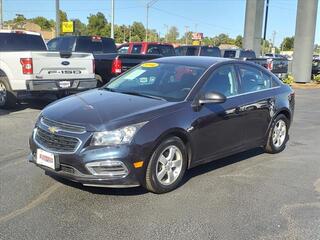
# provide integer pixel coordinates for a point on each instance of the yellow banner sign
(67, 27)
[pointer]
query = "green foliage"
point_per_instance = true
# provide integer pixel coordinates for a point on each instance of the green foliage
(138, 32)
(44, 23)
(19, 18)
(316, 78)
(98, 25)
(287, 44)
(173, 34)
(238, 41)
(288, 79)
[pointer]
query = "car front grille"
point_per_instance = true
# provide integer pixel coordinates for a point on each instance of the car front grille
(63, 126)
(55, 142)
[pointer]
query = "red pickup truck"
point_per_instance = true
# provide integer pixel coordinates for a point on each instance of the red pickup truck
(164, 49)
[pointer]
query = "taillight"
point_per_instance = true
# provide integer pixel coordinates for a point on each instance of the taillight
(27, 66)
(269, 64)
(93, 66)
(116, 66)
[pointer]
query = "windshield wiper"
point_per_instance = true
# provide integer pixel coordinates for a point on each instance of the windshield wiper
(142, 95)
(108, 89)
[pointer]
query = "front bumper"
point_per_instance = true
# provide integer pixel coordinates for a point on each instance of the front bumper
(75, 166)
(72, 174)
(59, 85)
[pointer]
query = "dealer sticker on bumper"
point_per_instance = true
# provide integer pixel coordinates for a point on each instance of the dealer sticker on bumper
(45, 158)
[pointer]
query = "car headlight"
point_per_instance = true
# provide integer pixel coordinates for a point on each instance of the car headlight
(119, 136)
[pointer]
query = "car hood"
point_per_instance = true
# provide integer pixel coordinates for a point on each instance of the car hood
(100, 110)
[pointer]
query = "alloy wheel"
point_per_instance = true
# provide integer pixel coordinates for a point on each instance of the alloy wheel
(279, 133)
(3, 94)
(169, 165)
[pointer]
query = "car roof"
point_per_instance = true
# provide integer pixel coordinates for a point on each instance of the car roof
(193, 60)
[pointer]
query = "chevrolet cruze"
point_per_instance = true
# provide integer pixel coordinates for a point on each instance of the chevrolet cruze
(151, 124)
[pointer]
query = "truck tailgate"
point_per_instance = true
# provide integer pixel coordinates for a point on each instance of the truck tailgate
(55, 65)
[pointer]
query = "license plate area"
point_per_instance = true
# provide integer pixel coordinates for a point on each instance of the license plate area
(45, 158)
(64, 84)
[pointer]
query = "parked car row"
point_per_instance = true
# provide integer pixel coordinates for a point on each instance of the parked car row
(69, 64)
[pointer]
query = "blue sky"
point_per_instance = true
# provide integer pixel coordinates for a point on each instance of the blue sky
(208, 16)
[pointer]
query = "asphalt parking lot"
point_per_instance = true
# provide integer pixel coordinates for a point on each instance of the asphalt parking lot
(251, 195)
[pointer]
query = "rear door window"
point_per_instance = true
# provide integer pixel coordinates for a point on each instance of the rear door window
(223, 80)
(21, 42)
(153, 49)
(136, 48)
(229, 54)
(108, 45)
(247, 54)
(89, 45)
(252, 79)
(192, 51)
(210, 51)
(62, 44)
(167, 50)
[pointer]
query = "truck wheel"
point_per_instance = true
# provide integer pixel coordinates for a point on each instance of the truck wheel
(99, 80)
(8, 98)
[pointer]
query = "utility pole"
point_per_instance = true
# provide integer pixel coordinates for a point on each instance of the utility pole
(112, 18)
(265, 28)
(186, 34)
(166, 26)
(273, 37)
(149, 4)
(1, 15)
(58, 18)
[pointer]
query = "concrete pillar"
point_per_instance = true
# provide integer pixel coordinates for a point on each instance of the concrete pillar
(304, 40)
(253, 25)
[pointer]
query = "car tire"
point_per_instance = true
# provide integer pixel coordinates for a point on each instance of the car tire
(8, 98)
(278, 135)
(167, 166)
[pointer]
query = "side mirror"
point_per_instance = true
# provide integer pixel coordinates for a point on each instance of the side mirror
(212, 97)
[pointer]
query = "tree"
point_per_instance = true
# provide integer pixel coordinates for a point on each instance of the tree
(238, 41)
(80, 27)
(19, 18)
(222, 38)
(173, 34)
(138, 31)
(44, 23)
(98, 25)
(287, 44)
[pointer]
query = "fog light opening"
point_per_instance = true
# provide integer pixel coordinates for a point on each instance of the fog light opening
(110, 168)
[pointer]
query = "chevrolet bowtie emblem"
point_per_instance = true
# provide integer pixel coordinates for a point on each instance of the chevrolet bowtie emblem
(53, 130)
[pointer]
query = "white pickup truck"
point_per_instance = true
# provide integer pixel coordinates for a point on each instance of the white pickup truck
(27, 69)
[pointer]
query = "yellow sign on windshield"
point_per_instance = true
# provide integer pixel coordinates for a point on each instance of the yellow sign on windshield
(150, 65)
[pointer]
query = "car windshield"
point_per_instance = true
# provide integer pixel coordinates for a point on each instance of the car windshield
(167, 81)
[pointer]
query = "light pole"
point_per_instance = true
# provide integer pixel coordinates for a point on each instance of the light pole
(265, 28)
(149, 4)
(57, 18)
(167, 27)
(186, 34)
(112, 18)
(1, 15)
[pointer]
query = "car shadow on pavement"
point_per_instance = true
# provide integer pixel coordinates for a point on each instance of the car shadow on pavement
(194, 172)
(219, 163)
(101, 190)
